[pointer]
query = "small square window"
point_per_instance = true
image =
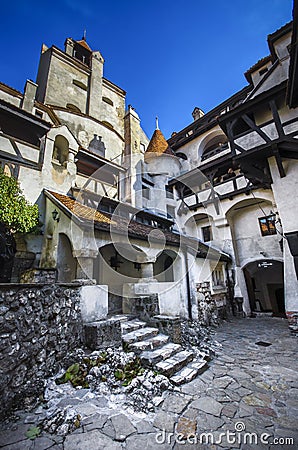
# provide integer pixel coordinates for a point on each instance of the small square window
(207, 233)
(146, 192)
(267, 225)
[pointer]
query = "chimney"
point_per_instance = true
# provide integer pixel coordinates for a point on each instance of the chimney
(29, 96)
(197, 113)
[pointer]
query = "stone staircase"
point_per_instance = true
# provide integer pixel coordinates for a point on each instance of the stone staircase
(157, 352)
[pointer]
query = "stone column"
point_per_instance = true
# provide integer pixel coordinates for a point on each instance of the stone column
(85, 260)
(147, 271)
(240, 291)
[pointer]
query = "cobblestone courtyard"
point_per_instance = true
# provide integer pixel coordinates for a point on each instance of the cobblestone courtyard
(248, 388)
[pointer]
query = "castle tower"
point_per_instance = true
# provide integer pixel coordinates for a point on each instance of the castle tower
(161, 164)
(71, 79)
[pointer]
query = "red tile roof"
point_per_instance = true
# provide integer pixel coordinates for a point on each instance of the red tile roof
(106, 222)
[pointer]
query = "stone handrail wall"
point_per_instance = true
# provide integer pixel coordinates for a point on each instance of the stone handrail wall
(40, 325)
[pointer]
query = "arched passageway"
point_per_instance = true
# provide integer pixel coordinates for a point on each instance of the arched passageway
(115, 266)
(265, 286)
(66, 263)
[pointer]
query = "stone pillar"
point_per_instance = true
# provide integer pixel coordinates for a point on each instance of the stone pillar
(240, 291)
(85, 259)
(147, 271)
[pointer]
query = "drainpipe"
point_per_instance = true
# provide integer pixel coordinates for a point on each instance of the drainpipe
(188, 288)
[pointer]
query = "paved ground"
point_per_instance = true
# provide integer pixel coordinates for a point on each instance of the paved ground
(248, 388)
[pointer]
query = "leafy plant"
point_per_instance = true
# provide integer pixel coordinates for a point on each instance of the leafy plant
(16, 213)
(76, 375)
(33, 432)
(129, 372)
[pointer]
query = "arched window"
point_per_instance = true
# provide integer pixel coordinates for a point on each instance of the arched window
(214, 146)
(61, 148)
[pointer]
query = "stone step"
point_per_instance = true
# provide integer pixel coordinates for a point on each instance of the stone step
(121, 317)
(132, 325)
(184, 375)
(139, 335)
(149, 344)
(171, 365)
(149, 358)
(200, 364)
(204, 354)
(188, 373)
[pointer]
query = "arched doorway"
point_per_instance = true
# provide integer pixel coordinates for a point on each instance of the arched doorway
(165, 266)
(66, 263)
(265, 286)
(117, 264)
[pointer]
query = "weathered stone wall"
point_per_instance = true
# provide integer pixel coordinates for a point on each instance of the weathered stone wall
(171, 326)
(143, 307)
(39, 326)
(208, 311)
(103, 334)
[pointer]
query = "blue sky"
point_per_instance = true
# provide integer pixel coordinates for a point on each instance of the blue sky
(169, 56)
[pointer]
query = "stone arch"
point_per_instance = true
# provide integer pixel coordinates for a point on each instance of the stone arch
(61, 149)
(167, 266)
(265, 285)
(116, 265)
(212, 144)
(196, 222)
(259, 199)
(66, 263)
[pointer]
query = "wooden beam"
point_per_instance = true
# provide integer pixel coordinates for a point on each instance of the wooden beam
(278, 160)
(276, 118)
(230, 135)
(255, 128)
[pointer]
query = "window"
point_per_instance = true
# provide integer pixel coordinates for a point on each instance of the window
(169, 191)
(146, 192)
(217, 277)
(241, 126)
(108, 100)
(61, 146)
(215, 146)
(80, 84)
(9, 169)
(171, 212)
(207, 233)
(267, 225)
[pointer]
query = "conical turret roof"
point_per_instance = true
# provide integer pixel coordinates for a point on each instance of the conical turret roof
(158, 145)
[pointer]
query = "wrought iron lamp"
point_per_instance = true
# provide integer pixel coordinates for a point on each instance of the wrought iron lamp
(55, 215)
(115, 261)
